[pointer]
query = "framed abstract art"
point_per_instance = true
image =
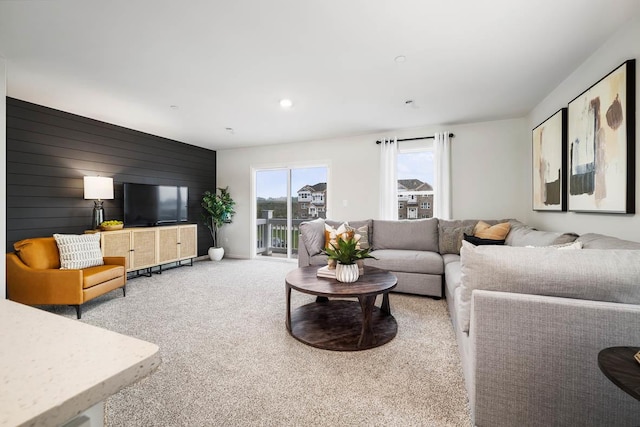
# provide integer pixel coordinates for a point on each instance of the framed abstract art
(601, 144)
(549, 150)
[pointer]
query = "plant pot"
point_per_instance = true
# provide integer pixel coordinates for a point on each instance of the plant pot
(347, 273)
(216, 254)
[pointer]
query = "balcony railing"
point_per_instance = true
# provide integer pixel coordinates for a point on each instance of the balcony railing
(272, 233)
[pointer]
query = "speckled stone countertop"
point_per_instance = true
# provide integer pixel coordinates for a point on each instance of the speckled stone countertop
(53, 368)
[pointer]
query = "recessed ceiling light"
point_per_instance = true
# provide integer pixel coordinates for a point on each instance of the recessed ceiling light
(230, 130)
(400, 58)
(173, 107)
(286, 103)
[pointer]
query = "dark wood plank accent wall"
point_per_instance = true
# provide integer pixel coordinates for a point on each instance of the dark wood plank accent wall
(49, 151)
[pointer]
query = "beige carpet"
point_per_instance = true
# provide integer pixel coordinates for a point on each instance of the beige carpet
(228, 360)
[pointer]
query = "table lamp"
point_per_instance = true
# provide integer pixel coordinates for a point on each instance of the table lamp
(98, 188)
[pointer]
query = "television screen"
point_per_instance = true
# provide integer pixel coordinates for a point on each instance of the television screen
(148, 205)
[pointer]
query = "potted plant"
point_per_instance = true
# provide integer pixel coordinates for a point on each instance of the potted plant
(346, 251)
(218, 210)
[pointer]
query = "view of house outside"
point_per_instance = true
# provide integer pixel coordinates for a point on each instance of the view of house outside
(415, 184)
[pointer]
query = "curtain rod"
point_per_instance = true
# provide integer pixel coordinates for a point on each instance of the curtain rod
(415, 139)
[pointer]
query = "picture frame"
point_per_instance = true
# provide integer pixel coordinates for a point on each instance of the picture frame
(549, 159)
(601, 145)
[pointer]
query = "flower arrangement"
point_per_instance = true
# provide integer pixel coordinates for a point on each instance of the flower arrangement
(345, 248)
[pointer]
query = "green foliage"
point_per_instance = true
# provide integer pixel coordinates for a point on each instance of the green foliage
(218, 210)
(347, 252)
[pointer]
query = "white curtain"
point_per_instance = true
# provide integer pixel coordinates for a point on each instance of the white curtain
(442, 179)
(388, 179)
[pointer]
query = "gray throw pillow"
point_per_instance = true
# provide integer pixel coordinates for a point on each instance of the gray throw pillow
(451, 238)
(312, 233)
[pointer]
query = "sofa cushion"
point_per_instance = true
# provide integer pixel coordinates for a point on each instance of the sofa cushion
(312, 232)
(447, 258)
(524, 235)
(417, 235)
(407, 261)
(452, 276)
(99, 274)
(599, 275)
(79, 251)
(40, 253)
(452, 237)
(599, 241)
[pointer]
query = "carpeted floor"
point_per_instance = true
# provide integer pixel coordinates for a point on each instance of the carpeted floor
(228, 360)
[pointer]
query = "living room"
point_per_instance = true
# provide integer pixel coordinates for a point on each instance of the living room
(491, 153)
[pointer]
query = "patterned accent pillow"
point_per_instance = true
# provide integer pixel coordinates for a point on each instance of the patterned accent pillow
(451, 238)
(363, 232)
(79, 251)
(331, 234)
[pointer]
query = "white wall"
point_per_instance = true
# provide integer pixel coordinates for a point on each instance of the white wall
(3, 171)
(487, 182)
(623, 45)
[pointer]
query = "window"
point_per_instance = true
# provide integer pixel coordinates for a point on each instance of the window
(284, 198)
(415, 165)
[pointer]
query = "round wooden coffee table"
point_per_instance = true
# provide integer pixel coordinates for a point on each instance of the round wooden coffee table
(339, 324)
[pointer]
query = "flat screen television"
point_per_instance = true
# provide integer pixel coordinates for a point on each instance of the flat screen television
(148, 205)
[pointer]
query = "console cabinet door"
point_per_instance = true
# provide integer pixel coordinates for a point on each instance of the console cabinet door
(188, 241)
(143, 248)
(168, 244)
(116, 243)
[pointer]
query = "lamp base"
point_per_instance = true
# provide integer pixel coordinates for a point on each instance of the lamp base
(98, 214)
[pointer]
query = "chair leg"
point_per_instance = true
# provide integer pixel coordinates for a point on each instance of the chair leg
(124, 291)
(78, 311)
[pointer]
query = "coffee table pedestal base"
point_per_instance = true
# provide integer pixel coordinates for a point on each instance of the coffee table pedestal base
(337, 325)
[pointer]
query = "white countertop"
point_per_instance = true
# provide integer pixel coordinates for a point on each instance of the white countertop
(53, 368)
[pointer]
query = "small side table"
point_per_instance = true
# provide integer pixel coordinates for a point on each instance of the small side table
(618, 364)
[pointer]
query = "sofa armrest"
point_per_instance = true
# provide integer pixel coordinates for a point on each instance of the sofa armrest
(304, 259)
(536, 360)
(31, 286)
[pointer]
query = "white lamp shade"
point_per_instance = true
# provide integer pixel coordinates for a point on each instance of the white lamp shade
(98, 187)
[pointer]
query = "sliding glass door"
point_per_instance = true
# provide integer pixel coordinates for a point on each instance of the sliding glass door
(285, 197)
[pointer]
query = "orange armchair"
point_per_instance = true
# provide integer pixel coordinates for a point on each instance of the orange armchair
(34, 276)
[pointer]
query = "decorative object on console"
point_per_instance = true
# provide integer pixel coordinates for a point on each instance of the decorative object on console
(218, 210)
(601, 146)
(111, 225)
(549, 159)
(98, 188)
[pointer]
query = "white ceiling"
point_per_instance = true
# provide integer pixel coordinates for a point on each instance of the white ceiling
(228, 63)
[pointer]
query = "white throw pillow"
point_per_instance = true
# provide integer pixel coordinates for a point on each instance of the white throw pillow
(79, 251)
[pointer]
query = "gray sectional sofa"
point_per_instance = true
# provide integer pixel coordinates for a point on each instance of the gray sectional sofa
(530, 317)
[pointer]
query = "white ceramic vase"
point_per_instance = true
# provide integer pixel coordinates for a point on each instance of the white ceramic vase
(216, 254)
(347, 273)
